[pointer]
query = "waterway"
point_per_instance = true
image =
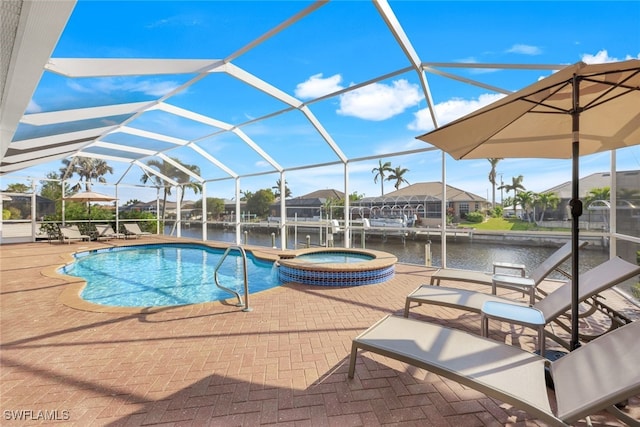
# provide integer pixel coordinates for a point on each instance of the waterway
(461, 252)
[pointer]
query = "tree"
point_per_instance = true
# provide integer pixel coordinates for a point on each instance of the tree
(17, 188)
(397, 175)
(516, 184)
(526, 200)
(215, 206)
(260, 202)
(547, 200)
(276, 188)
(492, 179)
(170, 171)
(594, 194)
(51, 188)
(381, 172)
(87, 168)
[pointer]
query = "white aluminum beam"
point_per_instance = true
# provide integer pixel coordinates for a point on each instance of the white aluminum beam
(109, 67)
(53, 117)
(40, 24)
(45, 141)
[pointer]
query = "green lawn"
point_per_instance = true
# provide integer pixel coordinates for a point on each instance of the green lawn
(509, 224)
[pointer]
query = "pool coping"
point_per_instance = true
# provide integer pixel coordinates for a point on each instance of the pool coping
(380, 260)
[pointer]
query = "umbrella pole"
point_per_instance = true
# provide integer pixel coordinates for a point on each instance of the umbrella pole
(576, 212)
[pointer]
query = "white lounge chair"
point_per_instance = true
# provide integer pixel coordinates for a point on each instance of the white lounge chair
(72, 233)
(518, 282)
(594, 377)
(133, 229)
(105, 232)
(538, 315)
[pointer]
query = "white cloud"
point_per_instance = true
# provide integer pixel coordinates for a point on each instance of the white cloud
(450, 110)
(378, 101)
(603, 56)
(524, 49)
(316, 86)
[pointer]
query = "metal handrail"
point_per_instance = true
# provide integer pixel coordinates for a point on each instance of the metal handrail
(245, 273)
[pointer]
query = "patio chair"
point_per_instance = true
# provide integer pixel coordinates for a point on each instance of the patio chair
(538, 315)
(133, 229)
(72, 233)
(596, 376)
(105, 232)
(521, 282)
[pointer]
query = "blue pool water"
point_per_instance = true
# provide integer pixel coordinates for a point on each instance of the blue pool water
(335, 257)
(166, 275)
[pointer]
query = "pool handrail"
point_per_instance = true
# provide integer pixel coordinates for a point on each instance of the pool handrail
(245, 274)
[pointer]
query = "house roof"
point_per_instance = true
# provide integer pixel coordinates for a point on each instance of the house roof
(625, 179)
(425, 191)
(323, 194)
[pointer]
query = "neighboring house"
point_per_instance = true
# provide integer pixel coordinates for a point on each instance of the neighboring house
(422, 200)
(309, 206)
(628, 189)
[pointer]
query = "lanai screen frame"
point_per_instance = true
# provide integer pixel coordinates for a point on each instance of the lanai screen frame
(38, 26)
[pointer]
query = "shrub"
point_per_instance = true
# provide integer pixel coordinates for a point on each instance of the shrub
(475, 217)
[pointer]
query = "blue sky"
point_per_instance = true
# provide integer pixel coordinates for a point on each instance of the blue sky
(343, 43)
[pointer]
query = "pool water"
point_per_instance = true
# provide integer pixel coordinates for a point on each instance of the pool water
(335, 257)
(166, 275)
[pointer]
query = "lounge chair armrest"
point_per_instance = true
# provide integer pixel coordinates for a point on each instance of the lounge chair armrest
(509, 266)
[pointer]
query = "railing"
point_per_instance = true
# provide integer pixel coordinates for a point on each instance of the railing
(245, 272)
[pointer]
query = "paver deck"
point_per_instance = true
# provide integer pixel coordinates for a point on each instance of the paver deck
(284, 363)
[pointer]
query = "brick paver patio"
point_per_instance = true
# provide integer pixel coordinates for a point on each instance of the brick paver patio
(283, 363)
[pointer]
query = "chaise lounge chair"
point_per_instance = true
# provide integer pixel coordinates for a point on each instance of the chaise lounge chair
(105, 232)
(133, 229)
(537, 316)
(594, 377)
(525, 284)
(72, 233)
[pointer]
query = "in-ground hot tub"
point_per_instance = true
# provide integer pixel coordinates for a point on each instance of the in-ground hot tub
(337, 267)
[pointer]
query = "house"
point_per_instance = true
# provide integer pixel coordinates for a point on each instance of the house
(421, 201)
(628, 198)
(311, 206)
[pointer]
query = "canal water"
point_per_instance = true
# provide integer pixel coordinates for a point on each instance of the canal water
(461, 253)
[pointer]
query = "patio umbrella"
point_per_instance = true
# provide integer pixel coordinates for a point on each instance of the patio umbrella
(581, 109)
(88, 197)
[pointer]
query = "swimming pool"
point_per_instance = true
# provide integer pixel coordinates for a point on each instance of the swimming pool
(166, 275)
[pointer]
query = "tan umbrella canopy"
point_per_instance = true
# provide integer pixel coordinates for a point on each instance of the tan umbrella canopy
(88, 197)
(581, 109)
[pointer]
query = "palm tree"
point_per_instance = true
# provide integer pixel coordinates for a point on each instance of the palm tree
(87, 169)
(516, 184)
(594, 194)
(547, 200)
(526, 200)
(492, 179)
(397, 176)
(170, 171)
(380, 172)
(276, 188)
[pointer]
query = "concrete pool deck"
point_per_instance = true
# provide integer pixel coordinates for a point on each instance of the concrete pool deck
(283, 363)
